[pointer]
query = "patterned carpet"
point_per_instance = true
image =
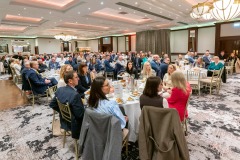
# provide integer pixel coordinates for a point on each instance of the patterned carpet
(214, 128)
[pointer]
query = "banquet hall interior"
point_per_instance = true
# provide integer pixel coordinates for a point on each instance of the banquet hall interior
(120, 79)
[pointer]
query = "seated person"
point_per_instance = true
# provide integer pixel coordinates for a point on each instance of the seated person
(147, 71)
(108, 67)
(164, 67)
(53, 64)
(25, 84)
(179, 94)
(180, 61)
(98, 100)
(150, 95)
(167, 82)
(85, 81)
(42, 67)
(131, 70)
(68, 94)
(39, 84)
(216, 65)
(70, 61)
(155, 64)
(207, 59)
(17, 67)
(65, 68)
(199, 63)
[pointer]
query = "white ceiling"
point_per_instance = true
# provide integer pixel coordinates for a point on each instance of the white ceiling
(84, 18)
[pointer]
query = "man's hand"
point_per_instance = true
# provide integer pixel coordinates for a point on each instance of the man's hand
(47, 81)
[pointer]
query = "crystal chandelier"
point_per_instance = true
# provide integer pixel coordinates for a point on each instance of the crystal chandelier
(64, 37)
(218, 9)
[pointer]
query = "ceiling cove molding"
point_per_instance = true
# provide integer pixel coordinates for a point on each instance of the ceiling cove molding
(182, 23)
(143, 10)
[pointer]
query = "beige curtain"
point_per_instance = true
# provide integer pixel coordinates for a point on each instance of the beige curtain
(156, 41)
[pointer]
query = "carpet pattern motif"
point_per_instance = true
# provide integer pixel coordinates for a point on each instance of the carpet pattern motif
(214, 129)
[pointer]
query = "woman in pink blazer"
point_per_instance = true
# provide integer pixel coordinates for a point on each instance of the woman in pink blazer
(179, 93)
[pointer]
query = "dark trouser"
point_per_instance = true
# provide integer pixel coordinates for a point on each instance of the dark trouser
(53, 82)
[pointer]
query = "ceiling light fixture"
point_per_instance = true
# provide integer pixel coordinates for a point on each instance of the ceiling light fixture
(64, 37)
(222, 10)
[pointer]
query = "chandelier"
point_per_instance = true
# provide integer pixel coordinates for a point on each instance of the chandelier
(64, 37)
(219, 9)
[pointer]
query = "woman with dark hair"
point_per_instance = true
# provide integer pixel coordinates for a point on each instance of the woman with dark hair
(98, 100)
(131, 70)
(85, 81)
(150, 96)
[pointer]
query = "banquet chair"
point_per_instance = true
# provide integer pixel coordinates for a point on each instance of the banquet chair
(51, 93)
(193, 77)
(16, 78)
(184, 122)
(125, 139)
(120, 73)
(214, 81)
(33, 95)
(67, 116)
(229, 67)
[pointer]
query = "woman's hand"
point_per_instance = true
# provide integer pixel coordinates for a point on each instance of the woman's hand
(169, 91)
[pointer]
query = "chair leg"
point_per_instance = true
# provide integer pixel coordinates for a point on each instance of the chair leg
(33, 100)
(186, 129)
(76, 149)
(64, 138)
(53, 118)
(127, 146)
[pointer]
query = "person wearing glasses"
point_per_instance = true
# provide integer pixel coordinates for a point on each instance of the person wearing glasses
(150, 96)
(100, 103)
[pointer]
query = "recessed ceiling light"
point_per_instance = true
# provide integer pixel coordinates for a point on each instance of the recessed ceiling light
(42, 17)
(79, 12)
(89, 8)
(136, 3)
(60, 20)
(101, 3)
(171, 0)
(179, 5)
(119, 8)
(24, 8)
(145, 15)
(187, 9)
(50, 12)
(134, 12)
(19, 14)
(76, 22)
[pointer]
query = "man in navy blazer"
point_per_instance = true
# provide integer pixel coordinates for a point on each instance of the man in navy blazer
(68, 94)
(108, 67)
(53, 64)
(155, 64)
(164, 67)
(206, 59)
(70, 61)
(39, 84)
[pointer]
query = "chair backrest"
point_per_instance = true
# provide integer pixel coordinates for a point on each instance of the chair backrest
(51, 91)
(185, 112)
(30, 85)
(65, 111)
(193, 75)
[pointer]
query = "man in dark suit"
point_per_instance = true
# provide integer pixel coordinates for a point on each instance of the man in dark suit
(39, 84)
(42, 67)
(68, 94)
(24, 72)
(108, 67)
(155, 64)
(137, 62)
(164, 67)
(206, 59)
(70, 61)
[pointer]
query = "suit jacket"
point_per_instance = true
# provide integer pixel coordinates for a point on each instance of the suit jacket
(163, 69)
(161, 136)
(108, 67)
(37, 82)
(137, 63)
(55, 65)
(83, 85)
(101, 137)
(72, 63)
(42, 68)
(64, 95)
(25, 84)
(207, 61)
(155, 66)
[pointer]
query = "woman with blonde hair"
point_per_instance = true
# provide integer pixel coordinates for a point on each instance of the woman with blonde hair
(147, 71)
(65, 68)
(167, 82)
(179, 93)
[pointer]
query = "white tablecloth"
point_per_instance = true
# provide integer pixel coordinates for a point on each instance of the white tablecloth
(2, 69)
(203, 73)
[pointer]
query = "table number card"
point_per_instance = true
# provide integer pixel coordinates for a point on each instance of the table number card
(118, 90)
